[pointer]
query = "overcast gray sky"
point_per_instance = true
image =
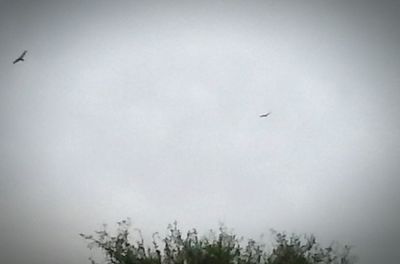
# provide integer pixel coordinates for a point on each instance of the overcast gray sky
(149, 110)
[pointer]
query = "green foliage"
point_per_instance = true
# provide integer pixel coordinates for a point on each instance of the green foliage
(294, 250)
(216, 248)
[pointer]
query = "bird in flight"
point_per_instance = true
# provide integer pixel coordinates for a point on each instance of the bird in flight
(21, 57)
(265, 115)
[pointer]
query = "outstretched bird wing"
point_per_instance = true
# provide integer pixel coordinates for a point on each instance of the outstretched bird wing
(265, 115)
(23, 54)
(21, 57)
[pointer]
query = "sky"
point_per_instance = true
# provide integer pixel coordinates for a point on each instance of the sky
(150, 110)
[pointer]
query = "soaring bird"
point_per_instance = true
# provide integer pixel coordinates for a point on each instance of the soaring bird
(20, 58)
(265, 115)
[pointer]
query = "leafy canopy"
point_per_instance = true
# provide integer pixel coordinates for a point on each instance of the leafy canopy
(222, 247)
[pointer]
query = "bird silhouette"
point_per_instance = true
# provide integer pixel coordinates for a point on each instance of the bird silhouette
(21, 57)
(265, 115)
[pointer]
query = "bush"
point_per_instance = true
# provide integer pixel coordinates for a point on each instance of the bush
(216, 248)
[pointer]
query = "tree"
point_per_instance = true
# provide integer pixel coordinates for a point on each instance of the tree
(223, 247)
